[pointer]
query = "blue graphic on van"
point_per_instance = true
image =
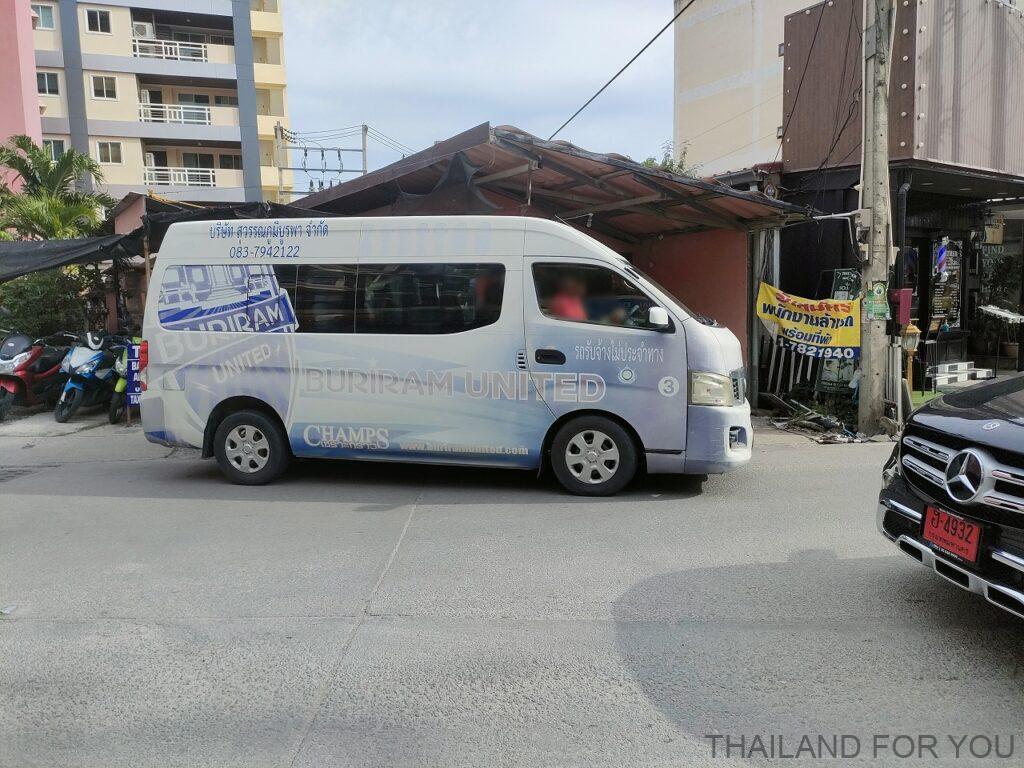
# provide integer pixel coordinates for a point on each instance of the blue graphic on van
(225, 297)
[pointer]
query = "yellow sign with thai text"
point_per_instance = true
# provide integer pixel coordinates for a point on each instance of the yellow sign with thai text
(825, 328)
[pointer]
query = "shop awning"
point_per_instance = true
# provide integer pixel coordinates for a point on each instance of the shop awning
(23, 257)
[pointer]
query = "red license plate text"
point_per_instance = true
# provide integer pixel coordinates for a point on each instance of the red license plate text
(952, 533)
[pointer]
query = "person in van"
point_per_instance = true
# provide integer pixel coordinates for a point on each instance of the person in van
(567, 301)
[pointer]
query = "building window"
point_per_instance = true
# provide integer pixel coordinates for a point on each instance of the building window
(46, 83)
(54, 148)
(109, 152)
(231, 162)
(44, 16)
(223, 100)
(222, 40)
(98, 21)
(197, 160)
(189, 37)
(104, 87)
(194, 98)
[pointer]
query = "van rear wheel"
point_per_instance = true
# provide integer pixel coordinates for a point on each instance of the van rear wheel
(593, 456)
(250, 448)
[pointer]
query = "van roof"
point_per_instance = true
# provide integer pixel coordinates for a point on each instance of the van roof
(544, 230)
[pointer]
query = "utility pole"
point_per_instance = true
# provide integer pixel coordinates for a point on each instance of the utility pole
(366, 130)
(278, 160)
(875, 209)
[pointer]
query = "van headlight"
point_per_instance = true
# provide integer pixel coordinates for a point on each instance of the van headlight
(710, 389)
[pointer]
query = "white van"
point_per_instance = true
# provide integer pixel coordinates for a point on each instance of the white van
(479, 340)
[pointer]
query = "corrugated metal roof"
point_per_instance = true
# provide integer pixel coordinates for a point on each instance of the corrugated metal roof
(615, 195)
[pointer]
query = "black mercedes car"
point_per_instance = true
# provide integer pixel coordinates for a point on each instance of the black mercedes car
(953, 490)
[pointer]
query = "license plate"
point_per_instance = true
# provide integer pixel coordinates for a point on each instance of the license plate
(952, 533)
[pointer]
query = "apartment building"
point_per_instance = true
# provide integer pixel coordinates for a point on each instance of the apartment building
(729, 65)
(177, 97)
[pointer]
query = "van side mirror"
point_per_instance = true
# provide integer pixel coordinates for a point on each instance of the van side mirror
(657, 317)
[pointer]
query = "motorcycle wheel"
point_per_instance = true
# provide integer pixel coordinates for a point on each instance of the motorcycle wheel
(6, 403)
(117, 406)
(66, 408)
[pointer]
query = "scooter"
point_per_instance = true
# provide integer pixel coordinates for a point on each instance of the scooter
(119, 400)
(30, 371)
(91, 377)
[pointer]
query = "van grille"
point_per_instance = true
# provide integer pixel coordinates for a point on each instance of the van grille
(739, 385)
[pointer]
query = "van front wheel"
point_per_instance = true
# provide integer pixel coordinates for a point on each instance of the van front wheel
(593, 456)
(250, 448)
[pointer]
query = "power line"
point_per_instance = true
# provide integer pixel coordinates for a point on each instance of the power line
(624, 68)
(734, 151)
(729, 120)
(800, 85)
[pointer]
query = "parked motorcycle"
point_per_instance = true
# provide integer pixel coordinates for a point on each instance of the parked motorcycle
(119, 400)
(30, 370)
(90, 370)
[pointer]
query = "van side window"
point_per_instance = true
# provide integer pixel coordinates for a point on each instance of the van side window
(233, 298)
(325, 298)
(590, 294)
(428, 298)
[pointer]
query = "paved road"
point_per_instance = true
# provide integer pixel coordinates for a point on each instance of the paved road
(368, 615)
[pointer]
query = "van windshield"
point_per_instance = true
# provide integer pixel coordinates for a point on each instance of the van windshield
(663, 294)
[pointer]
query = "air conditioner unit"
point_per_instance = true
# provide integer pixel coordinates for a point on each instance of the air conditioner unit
(150, 160)
(143, 29)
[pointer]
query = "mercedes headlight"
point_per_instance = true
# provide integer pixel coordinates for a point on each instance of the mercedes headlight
(710, 389)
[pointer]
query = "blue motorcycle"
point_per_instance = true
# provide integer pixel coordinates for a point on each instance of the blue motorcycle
(90, 369)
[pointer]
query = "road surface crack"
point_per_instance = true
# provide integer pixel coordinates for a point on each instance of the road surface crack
(363, 615)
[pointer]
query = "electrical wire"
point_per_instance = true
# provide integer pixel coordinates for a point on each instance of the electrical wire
(800, 84)
(624, 68)
(734, 151)
(729, 120)
(852, 100)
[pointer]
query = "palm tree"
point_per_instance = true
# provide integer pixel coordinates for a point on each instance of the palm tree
(40, 173)
(45, 216)
(48, 206)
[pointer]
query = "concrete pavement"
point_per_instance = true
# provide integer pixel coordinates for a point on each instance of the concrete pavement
(377, 615)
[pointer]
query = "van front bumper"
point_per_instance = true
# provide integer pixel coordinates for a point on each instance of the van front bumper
(718, 439)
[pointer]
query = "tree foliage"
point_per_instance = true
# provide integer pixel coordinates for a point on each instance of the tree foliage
(41, 174)
(670, 163)
(49, 205)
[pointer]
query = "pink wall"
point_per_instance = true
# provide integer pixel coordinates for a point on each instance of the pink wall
(707, 271)
(20, 103)
(130, 219)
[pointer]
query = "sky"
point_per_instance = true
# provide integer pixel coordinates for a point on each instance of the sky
(423, 70)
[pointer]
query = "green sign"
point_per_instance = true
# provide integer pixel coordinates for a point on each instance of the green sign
(876, 303)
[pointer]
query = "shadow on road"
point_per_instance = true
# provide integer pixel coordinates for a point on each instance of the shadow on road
(355, 481)
(819, 645)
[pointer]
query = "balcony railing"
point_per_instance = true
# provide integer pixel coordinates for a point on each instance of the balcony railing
(186, 114)
(180, 177)
(145, 48)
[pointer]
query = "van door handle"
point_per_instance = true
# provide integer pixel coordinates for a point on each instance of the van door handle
(549, 357)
